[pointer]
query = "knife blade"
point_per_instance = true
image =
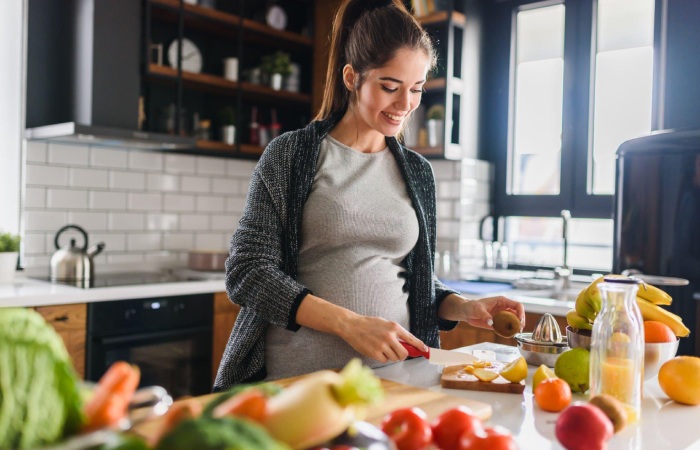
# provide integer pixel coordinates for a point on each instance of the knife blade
(439, 356)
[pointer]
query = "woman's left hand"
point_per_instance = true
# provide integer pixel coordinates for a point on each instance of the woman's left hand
(479, 313)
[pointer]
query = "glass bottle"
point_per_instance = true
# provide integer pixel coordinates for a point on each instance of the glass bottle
(617, 345)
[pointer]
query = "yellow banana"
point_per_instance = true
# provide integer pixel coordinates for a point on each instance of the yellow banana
(653, 294)
(589, 302)
(577, 321)
(651, 311)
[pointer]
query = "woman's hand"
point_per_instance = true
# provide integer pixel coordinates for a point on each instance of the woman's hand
(479, 313)
(378, 338)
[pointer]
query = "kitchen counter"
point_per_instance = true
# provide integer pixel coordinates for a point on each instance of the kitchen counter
(29, 292)
(664, 424)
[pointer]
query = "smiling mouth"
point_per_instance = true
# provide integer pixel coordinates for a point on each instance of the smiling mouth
(393, 117)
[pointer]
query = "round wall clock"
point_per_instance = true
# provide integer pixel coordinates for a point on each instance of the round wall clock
(191, 56)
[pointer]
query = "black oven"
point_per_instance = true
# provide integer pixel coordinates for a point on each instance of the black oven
(169, 339)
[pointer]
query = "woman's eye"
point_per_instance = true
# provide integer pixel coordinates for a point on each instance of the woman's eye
(391, 91)
(417, 91)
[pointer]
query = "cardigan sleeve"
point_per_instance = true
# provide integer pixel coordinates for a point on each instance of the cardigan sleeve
(254, 275)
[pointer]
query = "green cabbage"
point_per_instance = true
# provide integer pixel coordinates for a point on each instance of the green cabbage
(39, 397)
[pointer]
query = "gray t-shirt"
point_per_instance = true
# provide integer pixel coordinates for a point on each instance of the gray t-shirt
(358, 225)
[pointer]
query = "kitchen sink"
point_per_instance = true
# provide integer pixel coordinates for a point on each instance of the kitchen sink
(567, 295)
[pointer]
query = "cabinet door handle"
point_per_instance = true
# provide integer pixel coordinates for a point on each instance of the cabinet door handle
(62, 318)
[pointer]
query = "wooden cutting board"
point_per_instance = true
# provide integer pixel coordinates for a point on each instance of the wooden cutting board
(454, 377)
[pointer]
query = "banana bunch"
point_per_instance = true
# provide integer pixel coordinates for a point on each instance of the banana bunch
(589, 303)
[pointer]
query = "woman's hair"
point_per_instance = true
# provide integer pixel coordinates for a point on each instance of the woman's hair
(367, 34)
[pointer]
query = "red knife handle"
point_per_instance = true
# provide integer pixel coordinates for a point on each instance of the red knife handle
(413, 351)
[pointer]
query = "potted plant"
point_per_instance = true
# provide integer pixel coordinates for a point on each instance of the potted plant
(9, 250)
(228, 125)
(277, 66)
(436, 125)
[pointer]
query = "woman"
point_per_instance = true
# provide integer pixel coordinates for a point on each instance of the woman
(333, 257)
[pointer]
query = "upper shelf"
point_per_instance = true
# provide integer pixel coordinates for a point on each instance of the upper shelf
(226, 24)
(441, 17)
(219, 85)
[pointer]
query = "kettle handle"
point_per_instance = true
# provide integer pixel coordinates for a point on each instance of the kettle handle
(75, 227)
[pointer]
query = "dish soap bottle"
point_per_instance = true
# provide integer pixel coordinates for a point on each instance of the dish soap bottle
(617, 345)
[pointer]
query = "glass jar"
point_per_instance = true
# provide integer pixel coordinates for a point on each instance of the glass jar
(617, 345)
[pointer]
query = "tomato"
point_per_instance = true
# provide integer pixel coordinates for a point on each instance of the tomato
(453, 423)
(496, 438)
(408, 428)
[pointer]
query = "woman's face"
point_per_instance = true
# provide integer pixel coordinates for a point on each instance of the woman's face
(390, 93)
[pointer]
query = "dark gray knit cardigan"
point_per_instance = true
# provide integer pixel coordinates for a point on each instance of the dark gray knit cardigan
(262, 267)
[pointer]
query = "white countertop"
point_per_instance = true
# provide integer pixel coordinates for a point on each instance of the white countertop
(664, 424)
(32, 292)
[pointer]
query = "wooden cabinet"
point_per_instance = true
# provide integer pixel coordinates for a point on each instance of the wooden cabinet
(225, 314)
(174, 96)
(69, 321)
(465, 334)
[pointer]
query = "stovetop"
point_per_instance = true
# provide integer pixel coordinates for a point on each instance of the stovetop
(127, 279)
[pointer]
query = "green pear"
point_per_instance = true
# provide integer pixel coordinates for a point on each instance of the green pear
(572, 366)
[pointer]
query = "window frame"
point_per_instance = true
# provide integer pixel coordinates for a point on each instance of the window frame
(577, 110)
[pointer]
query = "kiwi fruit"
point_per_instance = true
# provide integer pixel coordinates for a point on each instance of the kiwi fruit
(612, 408)
(506, 324)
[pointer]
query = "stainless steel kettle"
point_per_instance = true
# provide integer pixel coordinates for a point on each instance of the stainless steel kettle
(74, 263)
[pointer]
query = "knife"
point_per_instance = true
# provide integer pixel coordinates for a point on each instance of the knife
(439, 356)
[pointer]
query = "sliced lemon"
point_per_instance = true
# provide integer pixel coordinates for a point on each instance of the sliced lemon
(485, 374)
(542, 373)
(515, 371)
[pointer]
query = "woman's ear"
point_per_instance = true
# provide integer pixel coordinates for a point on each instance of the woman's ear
(349, 77)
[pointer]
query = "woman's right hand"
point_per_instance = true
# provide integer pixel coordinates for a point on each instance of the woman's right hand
(378, 338)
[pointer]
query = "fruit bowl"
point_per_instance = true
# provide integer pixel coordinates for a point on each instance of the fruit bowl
(655, 354)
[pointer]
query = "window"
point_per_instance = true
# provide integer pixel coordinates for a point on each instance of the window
(581, 82)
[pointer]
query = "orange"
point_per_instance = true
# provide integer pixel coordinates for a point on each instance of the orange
(679, 378)
(655, 332)
(553, 394)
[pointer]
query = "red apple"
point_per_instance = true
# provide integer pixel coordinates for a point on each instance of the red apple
(492, 438)
(583, 426)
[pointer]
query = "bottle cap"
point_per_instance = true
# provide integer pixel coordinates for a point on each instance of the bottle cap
(622, 280)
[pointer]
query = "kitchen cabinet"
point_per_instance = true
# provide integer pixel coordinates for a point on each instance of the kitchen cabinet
(175, 98)
(464, 334)
(225, 314)
(69, 321)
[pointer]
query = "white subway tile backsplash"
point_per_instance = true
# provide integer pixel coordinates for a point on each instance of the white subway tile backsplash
(114, 242)
(37, 261)
(210, 166)
(46, 175)
(448, 229)
(74, 155)
(89, 178)
(126, 221)
(177, 202)
(125, 258)
(448, 189)
(164, 259)
(445, 170)
(210, 204)
(211, 241)
(37, 151)
(144, 202)
(225, 222)
(90, 221)
(35, 197)
(132, 181)
(240, 168)
(161, 182)
(142, 242)
(194, 222)
(162, 222)
(225, 186)
(44, 220)
(103, 200)
(180, 164)
(444, 209)
(194, 184)
(34, 243)
(235, 204)
(108, 157)
(178, 241)
(145, 161)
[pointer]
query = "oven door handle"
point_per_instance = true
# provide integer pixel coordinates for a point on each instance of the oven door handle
(109, 340)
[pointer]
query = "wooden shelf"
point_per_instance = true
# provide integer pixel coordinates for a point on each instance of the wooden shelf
(229, 22)
(219, 85)
(252, 149)
(435, 84)
(429, 151)
(440, 17)
(240, 149)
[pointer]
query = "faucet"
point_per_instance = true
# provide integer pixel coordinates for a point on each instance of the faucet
(564, 272)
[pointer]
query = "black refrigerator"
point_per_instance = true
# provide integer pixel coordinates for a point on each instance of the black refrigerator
(657, 217)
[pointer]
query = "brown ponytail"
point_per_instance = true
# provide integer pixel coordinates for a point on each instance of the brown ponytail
(367, 34)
